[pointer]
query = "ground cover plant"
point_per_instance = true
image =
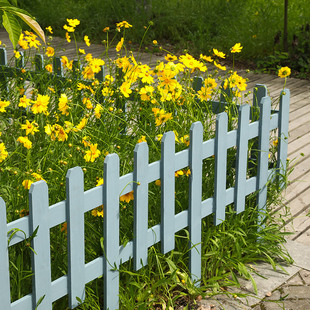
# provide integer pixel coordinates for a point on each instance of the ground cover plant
(199, 25)
(48, 126)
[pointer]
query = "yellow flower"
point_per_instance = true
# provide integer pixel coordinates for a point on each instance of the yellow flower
(49, 29)
(73, 22)
(97, 111)
(49, 68)
(97, 211)
(284, 72)
(66, 63)
(125, 89)
(88, 103)
(27, 184)
(206, 58)
(86, 40)
(142, 139)
(127, 197)
(218, 54)
(178, 173)
(3, 152)
(123, 24)
(24, 102)
(25, 141)
(236, 48)
(68, 28)
(106, 29)
(119, 45)
(158, 182)
(92, 153)
(40, 105)
(63, 104)
(30, 128)
(99, 182)
(3, 105)
(81, 51)
(185, 140)
(50, 52)
(155, 42)
(17, 54)
(219, 66)
(68, 38)
(82, 124)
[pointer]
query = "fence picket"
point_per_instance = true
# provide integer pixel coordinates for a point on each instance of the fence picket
(263, 147)
(41, 259)
(141, 158)
(5, 291)
(242, 157)
(3, 77)
(111, 191)
(220, 168)
(283, 135)
(167, 192)
(195, 197)
(75, 235)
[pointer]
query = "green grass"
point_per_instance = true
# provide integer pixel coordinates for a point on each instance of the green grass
(199, 25)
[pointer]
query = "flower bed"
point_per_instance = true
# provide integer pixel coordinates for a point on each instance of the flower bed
(50, 124)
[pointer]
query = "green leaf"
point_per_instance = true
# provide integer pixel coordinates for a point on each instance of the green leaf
(12, 26)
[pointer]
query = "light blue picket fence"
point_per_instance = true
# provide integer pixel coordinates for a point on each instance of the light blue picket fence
(43, 217)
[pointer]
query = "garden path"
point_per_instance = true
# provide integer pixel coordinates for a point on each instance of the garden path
(297, 194)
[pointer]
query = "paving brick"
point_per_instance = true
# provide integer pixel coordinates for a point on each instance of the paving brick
(296, 292)
(305, 275)
(295, 280)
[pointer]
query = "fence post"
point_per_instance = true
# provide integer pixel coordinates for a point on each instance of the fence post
(167, 168)
(263, 155)
(140, 177)
(5, 293)
(111, 262)
(283, 136)
(41, 259)
(220, 168)
(195, 196)
(75, 229)
(3, 79)
(242, 157)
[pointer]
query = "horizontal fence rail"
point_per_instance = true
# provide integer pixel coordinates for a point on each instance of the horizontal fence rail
(43, 217)
(255, 122)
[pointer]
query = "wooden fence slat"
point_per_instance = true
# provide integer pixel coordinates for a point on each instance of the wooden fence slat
(283, 135)
(220, 168)
(3, 80)
(38, 62)
(41, 259)
(167, 192)
(195, 197)
(242, 157)
(111, 192)
(141, 158)
(5, 293)
(75, 235)
(263, 156)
